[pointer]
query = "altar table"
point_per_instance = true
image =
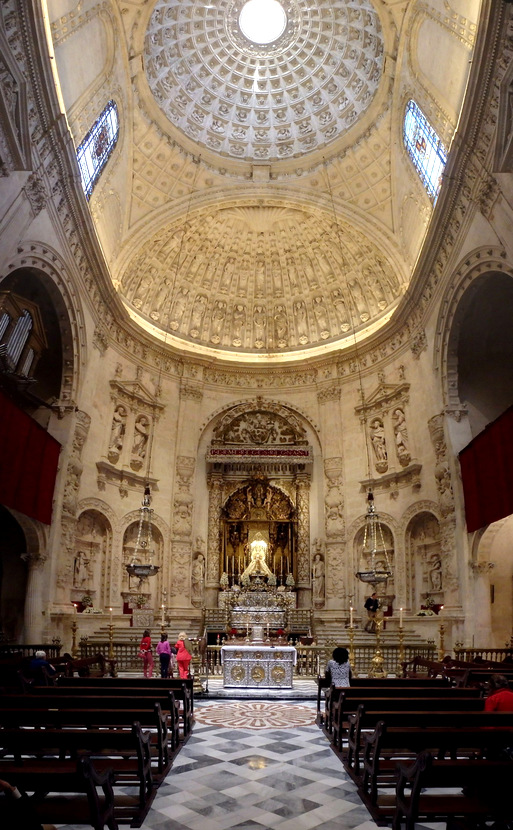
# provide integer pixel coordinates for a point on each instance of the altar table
(258, 666)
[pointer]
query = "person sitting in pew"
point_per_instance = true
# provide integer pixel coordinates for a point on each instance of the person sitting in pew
(17, 811)
(338, 670)
(41, 669)
(500, 697)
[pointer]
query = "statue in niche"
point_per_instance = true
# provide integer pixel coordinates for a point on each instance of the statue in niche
(198, 311)
(301, 322)
(178, 309)
(117, 431)
(239, 318)
(141, 435)
(321, 316)
(218, 317)
(280, 325)
(198, 577)
(318, 579)
(401, 436)
(435, 574)
(341, 310)
(257, 564)
(377, 435)
(260, 322)
(227, 277)
(82, 570)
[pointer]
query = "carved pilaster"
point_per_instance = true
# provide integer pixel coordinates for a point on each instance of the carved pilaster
(182, 506)
(442, 471)
(303, 531)
(334, 499)
(215, 486)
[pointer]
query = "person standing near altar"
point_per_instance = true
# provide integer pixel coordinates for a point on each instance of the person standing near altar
(183, 656)
(371, 605)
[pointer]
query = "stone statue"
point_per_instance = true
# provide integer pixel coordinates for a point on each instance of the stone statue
(117, 431)
(141, 435)
(435, 575)
(401, 435)
(257, 564)
(198, 576)
(377, 434)
(318, 578)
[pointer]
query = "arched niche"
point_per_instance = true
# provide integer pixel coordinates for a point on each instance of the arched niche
(13, 576)
(492, 567)
(92, 560)
(424, 564)
(485, 349)
(384, 560)
(151, 587)
(52, 376)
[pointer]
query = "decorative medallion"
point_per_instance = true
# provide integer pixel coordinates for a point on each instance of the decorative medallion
(255, 715)
(258, 655)
(237, 673)
(257, 674)
(278, 655)
(278, 674)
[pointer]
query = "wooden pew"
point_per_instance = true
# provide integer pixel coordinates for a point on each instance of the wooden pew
(364, 721)
(386, 746)
(379, 682)
(340, 701)
(165, 742)
(35, 758)
(482, 791)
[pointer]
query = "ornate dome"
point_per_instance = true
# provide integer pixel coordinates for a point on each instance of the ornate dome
(260, 102)
(265, 278)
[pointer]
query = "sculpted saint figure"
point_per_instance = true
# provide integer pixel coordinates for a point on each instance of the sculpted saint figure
(377, 433)
(117, 431)
(318, 577)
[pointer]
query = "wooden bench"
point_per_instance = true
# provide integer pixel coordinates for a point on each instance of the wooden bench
(341, 702)
(482, 791)
(363, 721)
(61, 698)
(34, 758)
(387, 746)
(379, 683)
(164, 741)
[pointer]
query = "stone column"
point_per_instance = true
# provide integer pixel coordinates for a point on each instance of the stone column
(32, 623)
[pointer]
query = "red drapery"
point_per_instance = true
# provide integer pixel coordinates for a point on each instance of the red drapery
(487, 473)
(28, 463)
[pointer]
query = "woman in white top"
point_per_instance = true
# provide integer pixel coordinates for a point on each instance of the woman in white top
(338, 670)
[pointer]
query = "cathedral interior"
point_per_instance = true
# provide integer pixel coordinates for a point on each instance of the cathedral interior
(255, 264)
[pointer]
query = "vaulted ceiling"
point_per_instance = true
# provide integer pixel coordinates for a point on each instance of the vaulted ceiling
(260, 199)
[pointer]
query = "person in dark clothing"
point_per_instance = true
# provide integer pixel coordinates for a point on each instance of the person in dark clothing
(371, 605)
(41, 669)
(17, 811)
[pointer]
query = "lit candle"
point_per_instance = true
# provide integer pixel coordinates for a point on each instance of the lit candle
(351, 616)
(162, 617)
(267, 630)
(75, 607)
(110, 609)
(400, 617)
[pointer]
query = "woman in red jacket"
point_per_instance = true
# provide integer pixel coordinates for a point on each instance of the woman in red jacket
(183, 658)
(146, 653)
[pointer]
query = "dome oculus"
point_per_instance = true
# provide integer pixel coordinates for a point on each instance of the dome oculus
(262, 21)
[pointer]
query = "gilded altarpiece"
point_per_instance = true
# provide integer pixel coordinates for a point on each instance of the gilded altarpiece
(259, 466)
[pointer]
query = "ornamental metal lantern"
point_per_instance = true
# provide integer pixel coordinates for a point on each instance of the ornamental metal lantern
(142, 565)
(373, 535)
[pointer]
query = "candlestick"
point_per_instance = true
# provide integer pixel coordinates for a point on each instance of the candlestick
(351, 616)
(400, 617)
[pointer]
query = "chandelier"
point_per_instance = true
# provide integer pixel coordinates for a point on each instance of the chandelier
(142, 565)
(373, 536)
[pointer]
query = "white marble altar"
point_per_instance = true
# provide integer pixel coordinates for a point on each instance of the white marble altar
(258, 666)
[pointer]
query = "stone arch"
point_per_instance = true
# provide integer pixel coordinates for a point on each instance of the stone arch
(94, 566)
(160, 534)
(424, 565)
(479, 265)
(354, 537)
(49, 267)
(264, 403)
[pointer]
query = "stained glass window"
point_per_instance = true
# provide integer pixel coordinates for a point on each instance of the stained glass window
(425, 148)
(94, 151)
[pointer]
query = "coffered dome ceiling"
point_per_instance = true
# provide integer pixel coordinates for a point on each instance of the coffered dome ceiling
(260, 201)
(264, 102)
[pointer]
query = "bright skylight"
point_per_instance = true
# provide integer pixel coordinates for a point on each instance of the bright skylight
(262, 21)
(425, 148)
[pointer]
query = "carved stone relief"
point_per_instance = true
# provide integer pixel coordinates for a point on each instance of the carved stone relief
(442, 470)
(334, 499)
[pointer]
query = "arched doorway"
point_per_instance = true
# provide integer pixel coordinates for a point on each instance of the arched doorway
(13, 577)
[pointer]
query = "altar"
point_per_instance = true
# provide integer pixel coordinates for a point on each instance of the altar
(258, 666)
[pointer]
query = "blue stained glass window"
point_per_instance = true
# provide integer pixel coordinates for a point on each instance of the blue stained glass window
(425, 148)
(94, 151)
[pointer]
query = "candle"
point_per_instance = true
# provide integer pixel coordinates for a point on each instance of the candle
(162, 617)
(75, 607)
(400, 617)
(268, 630)
(110, 609)
(351, 616)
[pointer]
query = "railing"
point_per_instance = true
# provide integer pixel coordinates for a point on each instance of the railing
(126, 655)
(28, 650)
(311, 660)
(496, 655)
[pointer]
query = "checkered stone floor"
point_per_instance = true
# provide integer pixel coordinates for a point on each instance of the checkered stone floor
(280, 775)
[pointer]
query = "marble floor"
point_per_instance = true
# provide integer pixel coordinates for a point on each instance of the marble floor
(251, 765)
